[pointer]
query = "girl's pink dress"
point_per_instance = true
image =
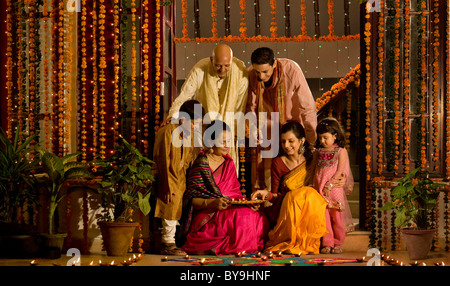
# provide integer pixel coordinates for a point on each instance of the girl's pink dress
(234, 230)
(327, 165)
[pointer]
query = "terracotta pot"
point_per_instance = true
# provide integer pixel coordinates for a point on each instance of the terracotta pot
(117, 236)
(53, 244)
(418, 242)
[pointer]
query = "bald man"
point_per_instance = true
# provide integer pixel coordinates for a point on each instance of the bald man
(220, 84)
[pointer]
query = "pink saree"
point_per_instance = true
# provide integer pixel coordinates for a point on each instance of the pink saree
(236, 229)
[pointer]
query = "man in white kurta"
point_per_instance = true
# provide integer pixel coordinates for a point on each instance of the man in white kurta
(220, 84)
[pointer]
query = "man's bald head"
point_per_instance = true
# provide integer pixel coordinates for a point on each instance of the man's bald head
(221, 59)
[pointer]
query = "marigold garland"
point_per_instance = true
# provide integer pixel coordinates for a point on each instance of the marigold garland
(380, 93)
(352, 76)
(397, 87)
(242, 25)
(83, 79)
(406, 85)
(184, 8)
(145, 74)
(435, 84)
(102, 78)
(447, 101)
(94, 81)
(368, 138)
(303, 15)
(9, 67)
(214, 18)
(46, 74)
(134, 93)
(157, 65)
(116, 25)
(273, 23)
(331, 18)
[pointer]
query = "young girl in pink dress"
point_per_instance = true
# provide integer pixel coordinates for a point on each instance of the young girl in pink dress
(331, 162)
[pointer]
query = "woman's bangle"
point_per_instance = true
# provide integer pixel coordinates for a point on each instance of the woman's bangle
(270, 196)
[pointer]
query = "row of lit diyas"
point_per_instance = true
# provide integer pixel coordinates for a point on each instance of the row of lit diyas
(126, 262)
(263, 257)
(394, 262)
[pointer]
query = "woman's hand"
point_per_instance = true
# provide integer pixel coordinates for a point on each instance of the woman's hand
(220, 204)
(260, 195)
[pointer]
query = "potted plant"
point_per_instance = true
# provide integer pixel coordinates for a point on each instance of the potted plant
(17, 190)
(58, 171)
(126, 180)
(412, 200)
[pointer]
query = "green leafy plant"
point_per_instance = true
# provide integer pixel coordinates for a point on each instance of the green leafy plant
(16, 175)
(126, 177)
(59, 170)
(413, 199)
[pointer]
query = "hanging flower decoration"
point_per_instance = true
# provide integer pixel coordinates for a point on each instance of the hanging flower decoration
(351, 77)
(406, 86)
(368, 138)
(273, 23)
(303, 15)
(435, 84)
(9, 66)
(134, 92)
(243, 26)
(380, 93)
(214, 18)
(331, 18)
(184, 8)
(157, 65)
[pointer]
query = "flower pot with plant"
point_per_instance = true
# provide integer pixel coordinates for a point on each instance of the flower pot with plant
(126, 182)
(413, 200)
(58, 171)
(17, 192)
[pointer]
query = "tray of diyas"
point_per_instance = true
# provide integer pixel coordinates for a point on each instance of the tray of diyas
(246, 202)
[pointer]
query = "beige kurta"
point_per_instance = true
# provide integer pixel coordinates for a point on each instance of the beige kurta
(219, 95)
(171, 163)
(300, 106)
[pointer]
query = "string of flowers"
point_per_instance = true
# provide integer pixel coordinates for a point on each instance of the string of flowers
(46, 108)
(243, 25)
(9, 67)
(157, 65)
(273, 23)
(447, 102)
(184, 8)
(435, 116)
(348, 126)
(396, 87)
(102, 78)
(422, 92)
(70, 19)
(116, 26)
(146, 73)
(406, 85)
(133, 73)
(367, 38)
(60, 70)
(214, 18)
(352, 76)
(32, 67)
(303, 15)
(83, 79)
(380, 85)
(20, 68)
(94, 81)
(331, 18)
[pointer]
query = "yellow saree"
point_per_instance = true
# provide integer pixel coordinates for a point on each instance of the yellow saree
(301, 221)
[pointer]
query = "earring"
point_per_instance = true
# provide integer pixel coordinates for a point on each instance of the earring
(301, 149)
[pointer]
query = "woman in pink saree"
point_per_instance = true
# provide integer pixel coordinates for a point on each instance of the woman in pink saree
(213, 225)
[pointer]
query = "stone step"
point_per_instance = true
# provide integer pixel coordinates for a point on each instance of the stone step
(357, 241)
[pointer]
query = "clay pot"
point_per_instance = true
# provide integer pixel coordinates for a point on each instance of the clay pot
(117, 236)
(418, 242)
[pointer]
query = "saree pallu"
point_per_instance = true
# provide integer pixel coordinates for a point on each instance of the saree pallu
(235, 229)
(301, 222)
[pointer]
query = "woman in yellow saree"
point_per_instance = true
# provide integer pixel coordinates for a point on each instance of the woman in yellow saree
(297, 210)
